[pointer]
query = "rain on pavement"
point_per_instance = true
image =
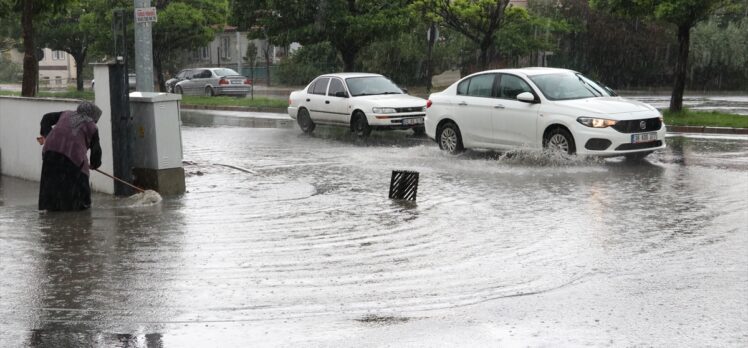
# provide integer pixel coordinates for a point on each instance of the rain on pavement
(290, 240)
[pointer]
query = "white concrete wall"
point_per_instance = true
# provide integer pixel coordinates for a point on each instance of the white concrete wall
(20, 154)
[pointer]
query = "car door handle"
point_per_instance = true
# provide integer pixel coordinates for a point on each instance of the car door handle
(498, 106)
(462, 103)
(327, 102)
(307, 99)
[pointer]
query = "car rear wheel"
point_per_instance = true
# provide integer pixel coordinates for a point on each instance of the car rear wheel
(178, 89)
(560, 140)
(305, 122)
(209, 91)
(361, 125)
(449, 138)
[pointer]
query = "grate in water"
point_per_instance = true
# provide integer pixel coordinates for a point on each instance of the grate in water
(404, 185)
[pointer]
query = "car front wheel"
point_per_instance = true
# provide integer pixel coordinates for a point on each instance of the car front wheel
(559, 140)
(449, 138)
(305, 122)
(361, 125)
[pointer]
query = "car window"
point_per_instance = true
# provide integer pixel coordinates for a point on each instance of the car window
(371, 85)
(335, 86)
(320, 87)
(481, 85)
(565, 86)
(225, 72)
(202, 74)
(462, 88)
(511, 86)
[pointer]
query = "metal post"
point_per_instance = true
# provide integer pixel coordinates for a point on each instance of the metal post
(143, 52)
(238, 53)
(122, 136)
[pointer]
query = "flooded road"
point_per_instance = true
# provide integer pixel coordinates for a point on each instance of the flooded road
(290, 240)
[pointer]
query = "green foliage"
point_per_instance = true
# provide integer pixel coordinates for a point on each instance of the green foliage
(9, 71)
(720, 54)
(308, 62)
(403, 58)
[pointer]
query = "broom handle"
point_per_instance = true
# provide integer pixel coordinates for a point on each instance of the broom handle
(120, 180)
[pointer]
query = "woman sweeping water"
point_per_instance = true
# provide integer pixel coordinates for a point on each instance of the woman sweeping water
(67, 136)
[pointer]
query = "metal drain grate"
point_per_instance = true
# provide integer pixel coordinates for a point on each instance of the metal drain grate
(404, 185)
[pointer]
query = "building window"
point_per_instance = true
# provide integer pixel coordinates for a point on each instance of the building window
(58, 55)
(205, 53)
(226, 47)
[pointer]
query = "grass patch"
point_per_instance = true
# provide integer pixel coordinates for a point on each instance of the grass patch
(705, 118)
(232, 101)
(69, 94)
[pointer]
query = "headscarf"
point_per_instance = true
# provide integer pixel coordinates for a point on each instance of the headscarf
(86, 112)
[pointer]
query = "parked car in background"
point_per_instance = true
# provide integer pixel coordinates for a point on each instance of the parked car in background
(172, 82)
(558, 109)
(213, 81)
(131, 79)
(361, 101)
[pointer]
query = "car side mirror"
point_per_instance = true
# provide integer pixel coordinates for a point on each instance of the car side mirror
(405, 90)
(341, 94)
(526, 97)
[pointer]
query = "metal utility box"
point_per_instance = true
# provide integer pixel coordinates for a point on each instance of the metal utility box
(158, 138)
(157, 148)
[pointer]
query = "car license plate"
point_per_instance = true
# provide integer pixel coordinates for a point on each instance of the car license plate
(410, 121)
(237, 82)
(643, 137)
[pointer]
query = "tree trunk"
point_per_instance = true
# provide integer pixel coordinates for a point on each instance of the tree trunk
(681, 66)
(158, 67)
(30, 63)
(267, 61)
(80, 60)
(349, 60)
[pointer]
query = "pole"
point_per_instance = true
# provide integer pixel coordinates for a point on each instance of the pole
(143, 52)
(238, 53)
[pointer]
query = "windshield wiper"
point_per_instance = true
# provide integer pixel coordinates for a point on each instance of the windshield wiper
(592, 90)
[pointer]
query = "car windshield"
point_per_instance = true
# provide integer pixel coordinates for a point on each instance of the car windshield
(225, 72)
(566, 86)
(371, 85)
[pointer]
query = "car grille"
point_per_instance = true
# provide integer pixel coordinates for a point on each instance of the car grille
(634, 126)
(410, 109)
(639, 146)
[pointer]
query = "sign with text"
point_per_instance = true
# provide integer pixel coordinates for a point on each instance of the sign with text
(145, 15)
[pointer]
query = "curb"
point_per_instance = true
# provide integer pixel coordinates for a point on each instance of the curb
(706, 130)
(235, 108)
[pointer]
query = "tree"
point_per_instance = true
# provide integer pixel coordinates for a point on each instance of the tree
(684, 14)
(66, 31)
(28, 10)
(349, 25)
(477, 20)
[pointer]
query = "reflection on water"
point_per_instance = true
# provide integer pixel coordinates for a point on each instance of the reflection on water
(281, 226)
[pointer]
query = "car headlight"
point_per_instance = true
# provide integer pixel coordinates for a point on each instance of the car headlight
(383, 110)
(596, 122)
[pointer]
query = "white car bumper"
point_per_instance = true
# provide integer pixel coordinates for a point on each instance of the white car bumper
(293, 111)
(610, 142)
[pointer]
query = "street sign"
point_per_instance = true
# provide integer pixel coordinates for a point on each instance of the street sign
(145, 15)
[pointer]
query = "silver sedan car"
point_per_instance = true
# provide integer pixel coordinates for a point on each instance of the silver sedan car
(213, 81)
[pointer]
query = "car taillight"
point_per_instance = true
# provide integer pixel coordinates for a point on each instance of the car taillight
(289, 101)
(247, 82)
(223, 82)
(428, 103)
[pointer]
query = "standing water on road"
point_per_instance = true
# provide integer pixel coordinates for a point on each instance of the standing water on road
(286, 239)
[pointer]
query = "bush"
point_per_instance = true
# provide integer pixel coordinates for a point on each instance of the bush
(308, 62)
(9, 71)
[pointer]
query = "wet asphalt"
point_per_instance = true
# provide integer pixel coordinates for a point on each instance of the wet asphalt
(290, 240)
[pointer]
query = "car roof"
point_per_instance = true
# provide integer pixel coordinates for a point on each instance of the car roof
(531, 71)
(346, 75)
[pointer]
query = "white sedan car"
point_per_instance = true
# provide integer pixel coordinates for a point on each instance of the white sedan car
(539, 108)
(360, 101)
